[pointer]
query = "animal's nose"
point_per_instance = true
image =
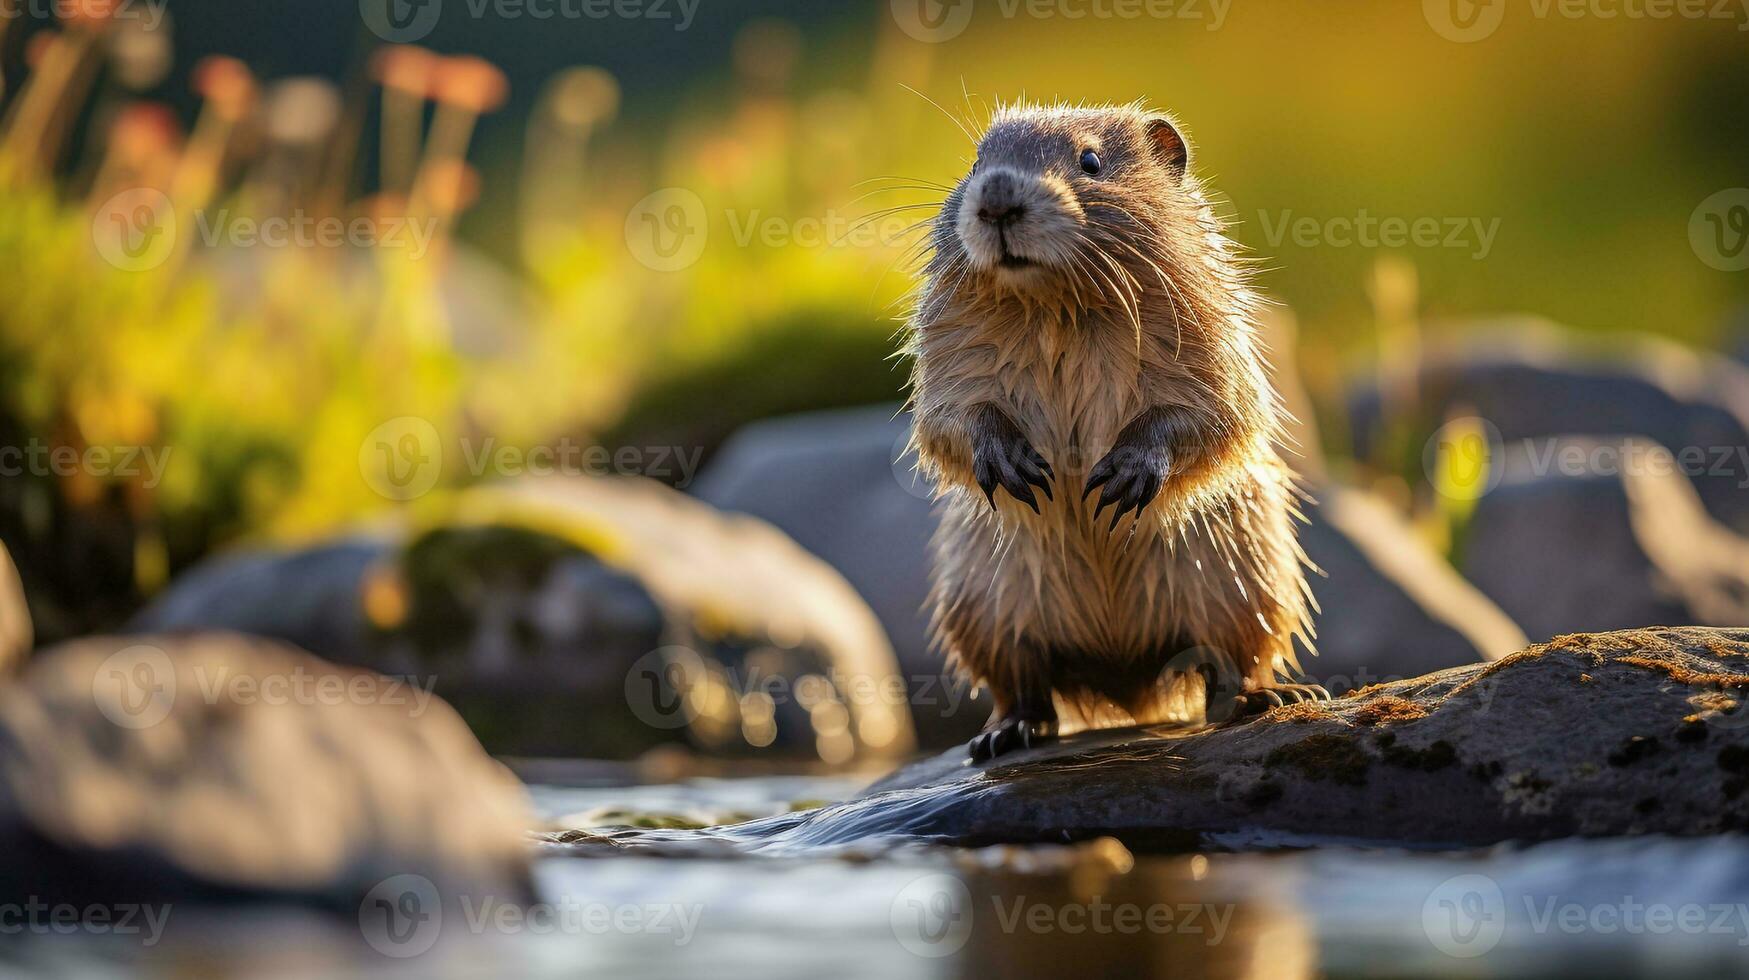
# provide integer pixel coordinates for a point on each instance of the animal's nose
(1003, 215)
(999, 201)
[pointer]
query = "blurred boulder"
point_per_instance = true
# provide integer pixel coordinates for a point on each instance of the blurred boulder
(768, 648)
(215, 767)
(836, 484)
(1377, 585)
(15, 629)
(306, 597)
(840, 485)
(1615, 538)
(617, 600)
(1533, 380)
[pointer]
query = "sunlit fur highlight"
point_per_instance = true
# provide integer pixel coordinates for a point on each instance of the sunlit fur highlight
(1142, 303)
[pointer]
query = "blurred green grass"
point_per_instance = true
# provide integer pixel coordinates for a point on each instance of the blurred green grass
(1590, 141)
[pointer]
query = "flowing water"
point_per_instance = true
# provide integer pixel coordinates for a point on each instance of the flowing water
(756, 900)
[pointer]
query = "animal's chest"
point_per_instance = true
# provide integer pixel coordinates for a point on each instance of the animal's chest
(1075, 388)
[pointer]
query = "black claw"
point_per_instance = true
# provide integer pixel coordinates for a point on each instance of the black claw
(1038, 480)
(1001, 457)
(1131, 478)
(1010, 735)
(1253, 703)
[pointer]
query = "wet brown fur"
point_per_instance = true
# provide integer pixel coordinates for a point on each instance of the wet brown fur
(1141, 303)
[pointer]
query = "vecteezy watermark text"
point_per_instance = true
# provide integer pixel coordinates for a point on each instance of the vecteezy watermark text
(1471, 449)
(1366, 230)
(408, 21)
(934, 21)
(667, 230)
(570, 916)
(35, 917)
(36, 458)
(301, 230)
(404, 457)
(934, 916)
(403, 916)
(137, 230)
(666, 687)
(1466, 21)
(148, 12)
(138, 686)
(568, 457)
(1468, 915)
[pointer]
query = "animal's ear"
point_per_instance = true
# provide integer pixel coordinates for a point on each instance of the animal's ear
(1170, 146)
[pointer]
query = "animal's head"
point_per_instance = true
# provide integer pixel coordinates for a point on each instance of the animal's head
(1060, 195)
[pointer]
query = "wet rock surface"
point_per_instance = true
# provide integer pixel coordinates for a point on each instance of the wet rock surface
(1627, 733)
(215, 767)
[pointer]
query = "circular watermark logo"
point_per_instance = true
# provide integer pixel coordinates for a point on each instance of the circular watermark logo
(1718, 231)
(402, 458)
(135, 687)
(933, 21)
(1464, 21)
(660, 685)
(1464, 458)
(400, 21)
(1222, 683)
(667, 230)
(1465, 916)
(932, 916)
(135, 230)
(402, 916)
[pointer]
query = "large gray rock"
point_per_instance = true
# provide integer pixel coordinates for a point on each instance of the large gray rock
(15, 628)
(663, 619)
(1390, 606)
(1638, 732)
(1619, 540)
(1533, 380)
(209, 767)
(840, 485)
(306, 597)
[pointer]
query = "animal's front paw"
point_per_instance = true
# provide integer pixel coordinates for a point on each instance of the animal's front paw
(1009, 735)
(1001, 457)
(1131, 474)
(1252, 703)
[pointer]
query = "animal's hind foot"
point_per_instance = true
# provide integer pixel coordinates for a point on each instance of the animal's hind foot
(1249, 704)
(1010, 735)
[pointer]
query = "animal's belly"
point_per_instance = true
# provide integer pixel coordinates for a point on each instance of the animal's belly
(1105, 593)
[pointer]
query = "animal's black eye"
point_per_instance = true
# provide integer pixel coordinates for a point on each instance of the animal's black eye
(1090, 163)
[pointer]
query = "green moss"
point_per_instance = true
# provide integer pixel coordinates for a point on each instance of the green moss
(1634, 749)
(1734, 759)
(448, 571)
(1333, 758)
(807, 361)
(1433, 758)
